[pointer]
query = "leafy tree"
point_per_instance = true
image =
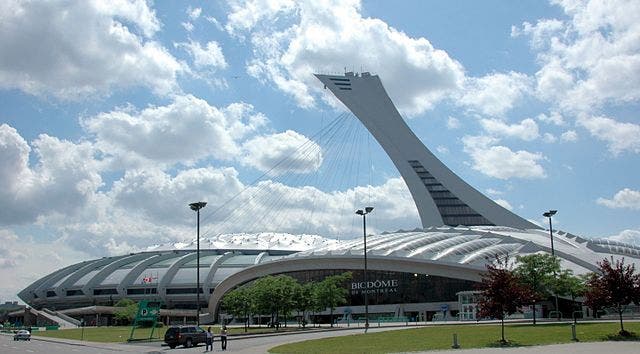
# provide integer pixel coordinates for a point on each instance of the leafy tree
(126, 310)
(331, 293)
(613, 286)
(568, 284)
(261, 290)
(284, 294)
(502, 292)
(305, 299)
(238, 303)
(537, 272)
(274, 296)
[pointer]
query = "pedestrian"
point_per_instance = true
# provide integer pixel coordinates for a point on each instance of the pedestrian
(209, 340)
(223, 337)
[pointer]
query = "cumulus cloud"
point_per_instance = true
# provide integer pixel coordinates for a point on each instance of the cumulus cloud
(282, 153)
(553, 118)
(78, 48)
(17, 266)
(453, 123)
(569, 136)
(186, 130)
(590, 59)
(62, 181)
(623, 199)
(210, 56)
(194, 12)
(628, 236)
(618, 136)
(495, 94)
(526, 130)
(500, 161)
(503, 203)
(291, 40)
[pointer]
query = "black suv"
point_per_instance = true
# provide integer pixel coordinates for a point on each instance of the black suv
(184, 335)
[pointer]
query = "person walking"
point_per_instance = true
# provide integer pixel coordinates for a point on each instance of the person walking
(223, 337)
(209, 340)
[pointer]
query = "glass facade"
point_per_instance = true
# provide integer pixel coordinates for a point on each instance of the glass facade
(386, 287)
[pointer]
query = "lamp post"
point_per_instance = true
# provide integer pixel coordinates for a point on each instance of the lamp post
(364, 213)
(549, 214)
(196, 207)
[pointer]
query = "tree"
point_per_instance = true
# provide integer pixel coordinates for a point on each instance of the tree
(238, 303)
(274, 296)
(537, 272)
(613, 286)
(305, 299)
(568, 284)
(502, 292)
(126, 310)
(331, 292)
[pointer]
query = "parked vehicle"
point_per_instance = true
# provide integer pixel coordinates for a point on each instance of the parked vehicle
(22, 334)
(187, 336)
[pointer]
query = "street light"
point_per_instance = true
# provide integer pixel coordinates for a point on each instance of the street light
(196, 207)
(364, 213)
(549, 214)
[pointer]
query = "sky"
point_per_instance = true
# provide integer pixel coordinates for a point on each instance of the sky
(114, 116)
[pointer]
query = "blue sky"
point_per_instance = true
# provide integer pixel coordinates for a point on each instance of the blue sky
(114, 116)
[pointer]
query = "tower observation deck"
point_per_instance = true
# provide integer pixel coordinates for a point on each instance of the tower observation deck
(442, 198)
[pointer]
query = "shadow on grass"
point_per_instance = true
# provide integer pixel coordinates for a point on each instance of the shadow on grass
(505, 344)
(623, 336)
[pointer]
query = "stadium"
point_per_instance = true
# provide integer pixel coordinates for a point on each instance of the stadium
(419, 274)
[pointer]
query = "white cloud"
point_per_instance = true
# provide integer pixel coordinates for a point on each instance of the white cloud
(495, 94)
(628, 236)
(442, 149)
(623, 199)
(79, 48)
(291, 40)
(620, 137)
(500, 161)
(569, 136)
(503, 203)
(453, 123)
(553, 118)
(208, 57)
(24, 260)
(282, 153)
(526, 130)
(184, 131)
(549, 138)
(194, 13)
(592, 58)
(187, 26)
(61, 182)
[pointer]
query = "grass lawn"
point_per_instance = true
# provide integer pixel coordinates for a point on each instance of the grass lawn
(121, 334)
(469, 336)
(102, 334)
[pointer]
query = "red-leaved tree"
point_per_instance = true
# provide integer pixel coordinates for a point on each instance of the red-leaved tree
(614, 286)
(502, 292)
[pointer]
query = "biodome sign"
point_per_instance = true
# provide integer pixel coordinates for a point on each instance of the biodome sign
(375, 287)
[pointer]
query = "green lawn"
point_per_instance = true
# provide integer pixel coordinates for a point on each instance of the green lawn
(121, 334)
(469, 336)
(102, 334)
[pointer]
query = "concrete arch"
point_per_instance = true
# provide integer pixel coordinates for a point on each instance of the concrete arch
(352, 262)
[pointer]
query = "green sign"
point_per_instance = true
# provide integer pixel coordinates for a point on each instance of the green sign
(148, 311)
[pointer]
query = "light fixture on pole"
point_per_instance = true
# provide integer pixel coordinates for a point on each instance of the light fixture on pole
(196, 207)
(549, 214)
(364, 213)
